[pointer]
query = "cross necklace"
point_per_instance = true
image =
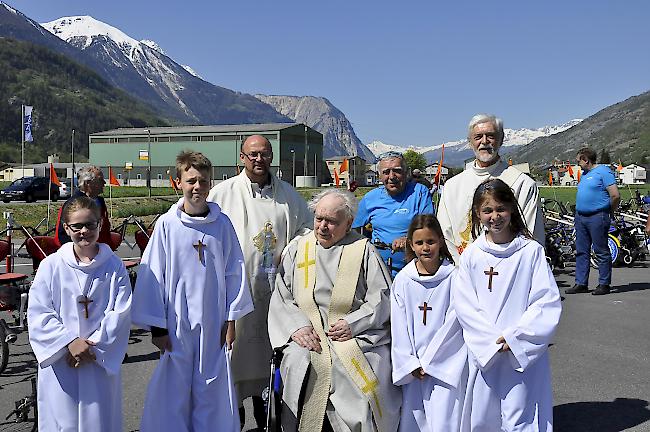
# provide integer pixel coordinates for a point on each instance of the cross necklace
(491, 273)
(425, 307)
(83, 298)
(200, 246)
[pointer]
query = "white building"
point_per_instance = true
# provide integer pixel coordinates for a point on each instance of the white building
(632, 174)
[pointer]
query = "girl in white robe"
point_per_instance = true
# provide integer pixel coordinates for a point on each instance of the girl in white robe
(427, 349)
(79, 320)
(508, 304)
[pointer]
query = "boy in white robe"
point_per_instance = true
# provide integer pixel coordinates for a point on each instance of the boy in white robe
(191, 287)
(84, 300)
(508, 304)
(427, 349)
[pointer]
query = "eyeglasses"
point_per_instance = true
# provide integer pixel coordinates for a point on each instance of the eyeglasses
(390, 155)
(90, 226)
(397, 171)
(254, 155)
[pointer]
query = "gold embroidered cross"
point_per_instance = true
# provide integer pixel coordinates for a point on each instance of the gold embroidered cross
(490, 273)
(306, 264)
(370, 386)
(86, 301)
(199, 249)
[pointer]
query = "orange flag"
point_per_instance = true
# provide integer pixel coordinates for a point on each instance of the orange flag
(112, 180)
(53, 178)
(337, 180)
(344, 166)
(550, 178)
(570, 170)
(620, 166)
(436, 179)
(579, 171)
(173, 183)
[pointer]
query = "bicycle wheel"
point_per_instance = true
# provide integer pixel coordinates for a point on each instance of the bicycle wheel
(614, 247)
(4, 347)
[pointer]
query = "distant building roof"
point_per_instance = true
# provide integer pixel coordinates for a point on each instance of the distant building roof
(257, 127)
(342, 158)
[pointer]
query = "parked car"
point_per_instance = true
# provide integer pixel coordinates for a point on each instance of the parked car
(30, 189)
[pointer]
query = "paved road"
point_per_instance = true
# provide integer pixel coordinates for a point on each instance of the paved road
(600, 360)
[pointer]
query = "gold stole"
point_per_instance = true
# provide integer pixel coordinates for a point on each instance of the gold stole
(348, 352)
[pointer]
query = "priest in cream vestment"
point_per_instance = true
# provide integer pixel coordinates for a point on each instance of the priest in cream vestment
(267, 214)
(330, 311)
(485, 138)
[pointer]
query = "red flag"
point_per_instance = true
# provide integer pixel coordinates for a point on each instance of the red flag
(53, 178)
(112, 180)
(337, 180)
(570, 170)
(550, 178)
(579, 171)
(173, 183)
(344, 166)
(620, 166)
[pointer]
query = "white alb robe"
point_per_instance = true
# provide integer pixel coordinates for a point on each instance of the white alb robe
(87, 398)
(510, 390)
(191, 293)
(454, 211)
(434, 403)
(250, 209)
(347, 408)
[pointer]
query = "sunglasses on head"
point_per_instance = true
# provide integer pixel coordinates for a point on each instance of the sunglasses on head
(90, 226)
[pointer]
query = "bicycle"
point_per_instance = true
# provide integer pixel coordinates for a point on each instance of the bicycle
(25, 415)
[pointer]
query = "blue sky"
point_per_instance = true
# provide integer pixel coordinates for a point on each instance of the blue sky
(404, 72)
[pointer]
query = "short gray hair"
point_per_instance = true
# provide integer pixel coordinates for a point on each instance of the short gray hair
(86, 175)
(485, 118)
(392, 155)
(350, 203)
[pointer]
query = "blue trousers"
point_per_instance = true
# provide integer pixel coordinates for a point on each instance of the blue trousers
(593, 230)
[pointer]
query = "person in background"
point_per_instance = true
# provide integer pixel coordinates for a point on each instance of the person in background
(416, 176)
(596, 200)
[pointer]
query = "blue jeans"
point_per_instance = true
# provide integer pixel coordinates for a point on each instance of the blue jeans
(593, 229)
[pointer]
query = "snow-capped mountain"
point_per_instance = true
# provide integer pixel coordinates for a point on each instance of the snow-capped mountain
(319, 113)
(456, 152)
(142, 69)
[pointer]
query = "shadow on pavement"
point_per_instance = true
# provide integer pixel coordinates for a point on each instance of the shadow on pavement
(636, 286)
(142, 357)
(619, 415)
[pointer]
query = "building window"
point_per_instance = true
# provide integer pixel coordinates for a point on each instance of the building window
(225, 177)
(159, 176)
(207, 138)
(119, 176)
(139, 176)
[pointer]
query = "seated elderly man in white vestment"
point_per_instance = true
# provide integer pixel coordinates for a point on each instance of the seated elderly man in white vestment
(331, 310)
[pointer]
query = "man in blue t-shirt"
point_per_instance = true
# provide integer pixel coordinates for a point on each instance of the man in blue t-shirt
(391, 207)
(596, 200)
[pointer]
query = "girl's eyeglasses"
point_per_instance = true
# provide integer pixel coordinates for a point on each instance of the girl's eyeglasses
(90, 226)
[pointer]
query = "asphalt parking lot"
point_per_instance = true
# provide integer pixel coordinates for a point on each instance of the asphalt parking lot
(600, 359)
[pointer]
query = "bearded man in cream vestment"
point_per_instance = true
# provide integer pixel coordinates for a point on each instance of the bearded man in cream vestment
(485, 137)
(267, 214)
(330, 311)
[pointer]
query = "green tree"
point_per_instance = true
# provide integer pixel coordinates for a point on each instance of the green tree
(415, 160)
(604, 158)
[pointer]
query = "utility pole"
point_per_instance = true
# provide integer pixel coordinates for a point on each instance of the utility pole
(73, 170)
(149, 160)
(306, 151)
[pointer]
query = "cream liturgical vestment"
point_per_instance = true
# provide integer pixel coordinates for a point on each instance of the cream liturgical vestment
(265, 221)
(68, 300)
(191, 280)
(507, 290)
(349, 382)
(426, 334)
(454, 212)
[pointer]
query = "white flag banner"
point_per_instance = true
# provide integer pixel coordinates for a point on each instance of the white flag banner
(27, 124)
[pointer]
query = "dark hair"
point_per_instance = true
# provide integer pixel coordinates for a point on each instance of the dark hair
(588, 154)
(501, 192)
(80, 203)
(429, 221)
(192, 159)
